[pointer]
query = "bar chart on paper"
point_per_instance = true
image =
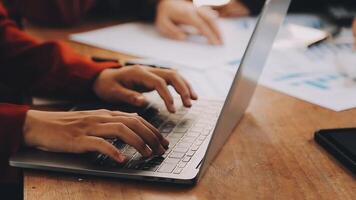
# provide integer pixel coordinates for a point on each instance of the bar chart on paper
(330, 90)
(313, 75)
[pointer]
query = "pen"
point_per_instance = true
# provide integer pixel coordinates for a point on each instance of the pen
(101, 59)
(128, 63)
(333, 33)
(317, 42)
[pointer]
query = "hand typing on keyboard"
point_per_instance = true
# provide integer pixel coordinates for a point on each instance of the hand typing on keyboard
(126, 84)
(88, 131)
(83, 131)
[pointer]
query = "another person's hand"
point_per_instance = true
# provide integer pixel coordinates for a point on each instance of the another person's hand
(126, 84)
(233, 9)
(79, 132)
(171, 14)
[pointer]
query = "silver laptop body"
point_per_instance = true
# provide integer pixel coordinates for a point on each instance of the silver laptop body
(196, 135)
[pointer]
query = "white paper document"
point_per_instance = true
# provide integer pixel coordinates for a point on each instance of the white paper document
(144, 41)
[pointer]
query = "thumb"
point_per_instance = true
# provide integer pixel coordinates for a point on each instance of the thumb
(129, 96)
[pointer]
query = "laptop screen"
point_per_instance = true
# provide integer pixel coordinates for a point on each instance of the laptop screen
(246, 78)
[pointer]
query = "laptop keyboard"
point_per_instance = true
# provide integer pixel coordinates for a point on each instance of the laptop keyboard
(186, 130)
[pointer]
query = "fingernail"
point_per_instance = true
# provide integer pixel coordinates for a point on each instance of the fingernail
(161, 151)
(195, 96)
(188, 103)
(165, 143)
(121, 158)
(139, 100)
(172, 109)
(148, 152)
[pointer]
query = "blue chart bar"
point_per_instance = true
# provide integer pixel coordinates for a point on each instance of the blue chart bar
(290, 76)
(317, 84)
(316, 81)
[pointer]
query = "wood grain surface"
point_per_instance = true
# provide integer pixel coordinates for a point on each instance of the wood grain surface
(270, 155)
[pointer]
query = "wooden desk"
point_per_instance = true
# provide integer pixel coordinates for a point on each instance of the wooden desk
(270, 155)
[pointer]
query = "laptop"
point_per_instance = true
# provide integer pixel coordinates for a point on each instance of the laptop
(196, 135)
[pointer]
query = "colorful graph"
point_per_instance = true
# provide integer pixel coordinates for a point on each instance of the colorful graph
(312, 80)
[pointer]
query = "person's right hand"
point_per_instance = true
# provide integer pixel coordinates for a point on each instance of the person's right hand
(84, 131)
(234, 8)
(171, 14)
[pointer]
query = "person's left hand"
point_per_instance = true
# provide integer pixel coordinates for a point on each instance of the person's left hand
(126, 84)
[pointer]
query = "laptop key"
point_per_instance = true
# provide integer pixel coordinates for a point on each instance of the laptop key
(192, 134)
(173, 141)
(198, 143)
(156, 160)
(185, 123)
(206, 132)
(181, 149)
(172, 160)
(190, 153)
(176, 155)
(182, 164)
(167, 168)
(201, 138)
(146, 167)
(197, 129)
(177, 170)
(188, 139)
(186, 159)
(176, 135)
(186, 144)
(167, 129)
(194, 148)
(181, 129)
(153, 169)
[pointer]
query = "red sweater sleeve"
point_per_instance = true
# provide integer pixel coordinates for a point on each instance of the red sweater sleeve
(26, 65)
(55, 12)
(43, 68)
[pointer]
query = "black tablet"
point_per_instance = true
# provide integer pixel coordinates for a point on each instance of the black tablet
(341, 143)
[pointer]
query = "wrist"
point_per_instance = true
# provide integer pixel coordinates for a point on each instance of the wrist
(27, 127)
(104, 82)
